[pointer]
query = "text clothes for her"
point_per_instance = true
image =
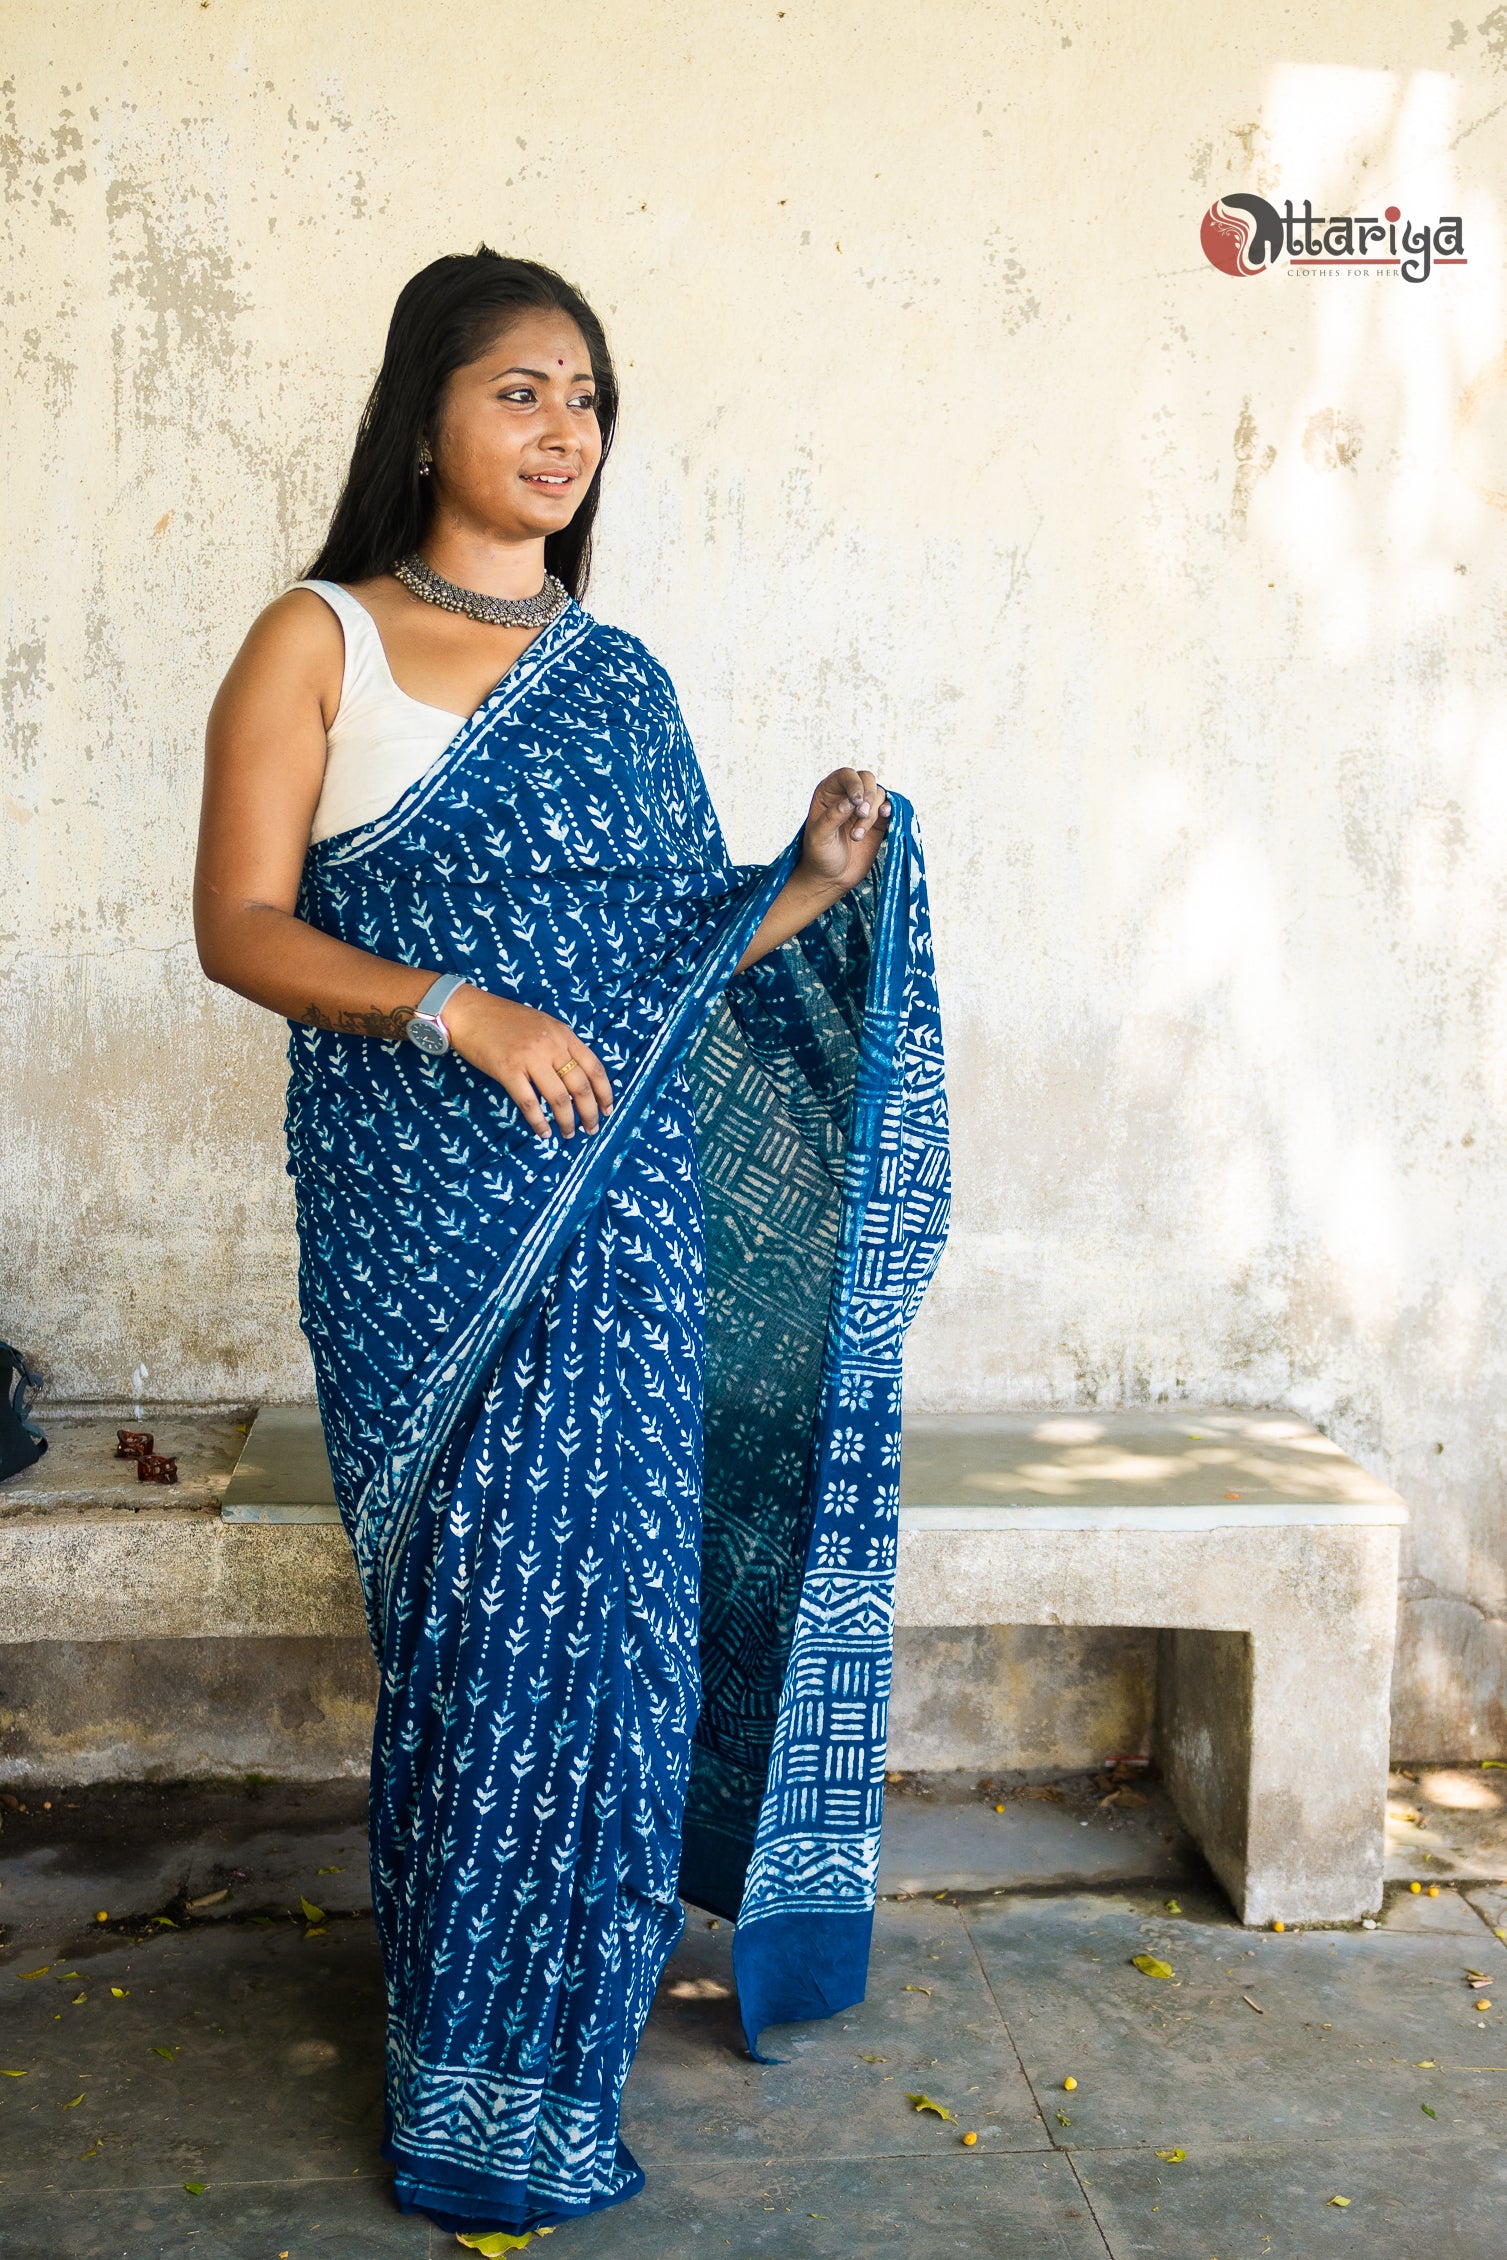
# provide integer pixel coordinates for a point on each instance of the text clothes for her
(615, 1663)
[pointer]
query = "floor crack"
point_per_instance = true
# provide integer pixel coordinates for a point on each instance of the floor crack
(1030, 2085)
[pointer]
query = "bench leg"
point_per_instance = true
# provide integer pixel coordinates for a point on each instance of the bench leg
(1279, 1769)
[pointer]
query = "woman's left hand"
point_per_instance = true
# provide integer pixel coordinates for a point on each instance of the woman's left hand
(850, 814)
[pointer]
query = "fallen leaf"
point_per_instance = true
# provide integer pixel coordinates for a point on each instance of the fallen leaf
(42, 1972)
(165, 2053)
(79, 1999)
(1250, 2004)
(1425, 2064)
(94, 2153)
(196, 2189)
(1149, 1966)
(209, 1899)
(1339, 2200)
(1485, 1762)
(873, 2059)
(1173, 2157)
(1063, 2120)
(333, 1871)
(73, 2106)
(317, 1930)
(925, 2103)
(1132, 1797)
(313, 1914)
(1428, 2110)
(121, 1992)
(12, 2075)
(926, 1989)
(165, 1920)
(1173, 1908)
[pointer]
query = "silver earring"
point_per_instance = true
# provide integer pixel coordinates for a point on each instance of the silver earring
(426, 460)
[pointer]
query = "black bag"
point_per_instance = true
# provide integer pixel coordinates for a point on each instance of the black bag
(21, 1441)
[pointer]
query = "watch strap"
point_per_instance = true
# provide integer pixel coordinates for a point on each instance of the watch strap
(438, 994)
(426, 1030)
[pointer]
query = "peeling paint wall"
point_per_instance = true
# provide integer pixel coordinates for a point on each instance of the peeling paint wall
(1173, 599)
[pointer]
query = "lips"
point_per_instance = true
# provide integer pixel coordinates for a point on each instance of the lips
(552, 480)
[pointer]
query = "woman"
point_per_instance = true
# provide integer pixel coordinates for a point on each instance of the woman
(455, 832)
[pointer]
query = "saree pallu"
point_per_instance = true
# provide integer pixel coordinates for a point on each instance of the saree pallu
(614, 1422)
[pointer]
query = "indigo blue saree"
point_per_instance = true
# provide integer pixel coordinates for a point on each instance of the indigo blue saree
(615, 1423)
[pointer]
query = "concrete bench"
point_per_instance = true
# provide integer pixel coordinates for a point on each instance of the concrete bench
(1267, 1561)
(1265, 1558)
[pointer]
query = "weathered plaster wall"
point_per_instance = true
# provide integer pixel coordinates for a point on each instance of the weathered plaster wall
(1175, 602)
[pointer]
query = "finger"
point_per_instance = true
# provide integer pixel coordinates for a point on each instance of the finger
(521, 1091)
(837, 800)
(573, 1075)
(556, 1098)
(595, 1073)
(836, 796)
(871, 793)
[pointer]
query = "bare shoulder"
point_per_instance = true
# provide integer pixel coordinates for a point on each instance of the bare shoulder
(293, 650)
(297, 626)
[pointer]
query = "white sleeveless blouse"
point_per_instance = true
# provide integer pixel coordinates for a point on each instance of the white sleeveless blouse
(381, 740)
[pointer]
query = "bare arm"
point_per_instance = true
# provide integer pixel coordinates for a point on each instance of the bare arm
(264, 765)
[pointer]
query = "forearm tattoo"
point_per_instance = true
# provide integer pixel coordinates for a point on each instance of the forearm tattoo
(390, 1027)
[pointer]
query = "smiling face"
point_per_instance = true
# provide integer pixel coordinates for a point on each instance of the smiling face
(517, 441)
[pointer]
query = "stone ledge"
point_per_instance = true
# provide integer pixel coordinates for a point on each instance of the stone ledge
(79, 1476)
(175, 1576)
(1175, 1460)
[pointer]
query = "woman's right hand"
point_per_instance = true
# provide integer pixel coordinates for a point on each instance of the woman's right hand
(538, 1061)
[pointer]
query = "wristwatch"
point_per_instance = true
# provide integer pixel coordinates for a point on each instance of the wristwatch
(425, 1027)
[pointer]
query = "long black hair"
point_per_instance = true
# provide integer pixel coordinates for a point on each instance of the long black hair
(446, 316)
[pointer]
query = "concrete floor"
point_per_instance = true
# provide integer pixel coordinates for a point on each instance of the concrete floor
(226, 2046)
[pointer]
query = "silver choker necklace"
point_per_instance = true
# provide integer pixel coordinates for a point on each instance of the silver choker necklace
(499, 611)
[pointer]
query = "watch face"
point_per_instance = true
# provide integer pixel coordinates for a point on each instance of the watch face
(428, 1038)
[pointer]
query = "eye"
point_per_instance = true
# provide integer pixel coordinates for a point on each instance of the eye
(586, 400)
(518, 392)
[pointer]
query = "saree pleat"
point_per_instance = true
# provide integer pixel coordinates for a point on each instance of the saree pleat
(614, 1424)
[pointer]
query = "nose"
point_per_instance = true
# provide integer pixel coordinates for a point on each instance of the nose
(558, 434)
